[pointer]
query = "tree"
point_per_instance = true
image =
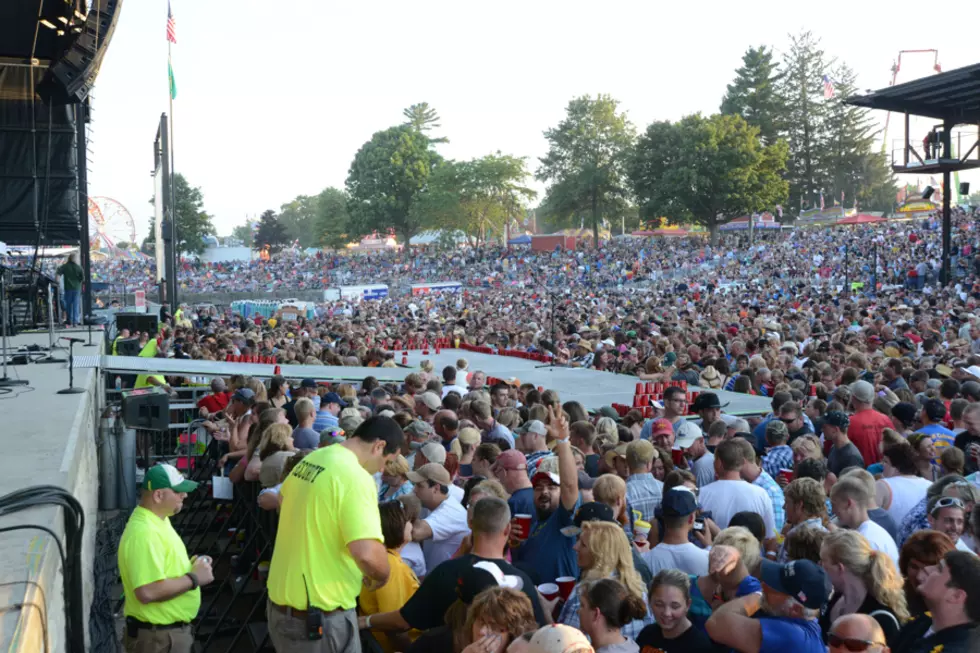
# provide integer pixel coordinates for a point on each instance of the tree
(387, 177)
(753, 94)
(423, 118)
(852, 165)
(271, 232)
(974, 198)
(478, 197)
(125, 245)
(243, 233)
(801, 88)
(706, 171)
(332, 225)
(586, 163)
(193, 223)
(298, 218)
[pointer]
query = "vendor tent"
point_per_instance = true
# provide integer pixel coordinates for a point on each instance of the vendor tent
(862, 218)
(520, 240)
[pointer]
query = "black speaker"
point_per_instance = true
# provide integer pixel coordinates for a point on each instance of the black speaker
(70, 78)
(964, 188)
(147, 409)
(128, 347)
(142, 322)
(927, 193)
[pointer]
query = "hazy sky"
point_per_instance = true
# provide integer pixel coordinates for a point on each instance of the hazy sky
(275, 98)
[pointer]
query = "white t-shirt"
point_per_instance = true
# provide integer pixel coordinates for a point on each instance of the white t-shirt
(446, 389)
(457, 493)
(723, 499)
(687, 557)
(448, 524)
(879, 539)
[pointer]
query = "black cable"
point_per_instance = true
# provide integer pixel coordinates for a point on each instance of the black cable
(42, 613)
(74, 523)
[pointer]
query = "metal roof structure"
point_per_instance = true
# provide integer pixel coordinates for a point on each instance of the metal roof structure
(952, 96)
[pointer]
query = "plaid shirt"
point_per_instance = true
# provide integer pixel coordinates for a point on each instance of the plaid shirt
(775, 495)
(645, 493)
(914, 521)
(569, 616)
(534, 459)
(778, 458)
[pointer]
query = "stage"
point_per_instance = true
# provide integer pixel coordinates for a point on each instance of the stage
(592, 388)
(50, 441)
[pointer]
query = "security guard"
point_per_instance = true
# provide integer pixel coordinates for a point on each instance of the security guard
(160, 581)
(329, 542)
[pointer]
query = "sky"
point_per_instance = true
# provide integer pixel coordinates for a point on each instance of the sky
(275, 98)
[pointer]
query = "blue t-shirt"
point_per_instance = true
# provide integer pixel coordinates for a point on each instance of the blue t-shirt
(700, 608)
(522, 503)
(781, 634)
(547, 552)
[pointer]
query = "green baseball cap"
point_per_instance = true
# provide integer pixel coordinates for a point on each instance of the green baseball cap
(162, 477)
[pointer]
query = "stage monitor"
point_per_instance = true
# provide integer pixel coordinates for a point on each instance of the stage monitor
(137, 322)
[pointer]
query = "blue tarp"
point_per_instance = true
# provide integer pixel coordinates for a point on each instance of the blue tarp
(520, 240)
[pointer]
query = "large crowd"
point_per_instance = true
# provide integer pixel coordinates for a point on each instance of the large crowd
(453, 513)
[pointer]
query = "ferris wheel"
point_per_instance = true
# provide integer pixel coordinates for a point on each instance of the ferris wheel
(109, 223)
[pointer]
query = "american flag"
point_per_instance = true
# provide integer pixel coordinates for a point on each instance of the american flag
(172, 26)
(828, 87)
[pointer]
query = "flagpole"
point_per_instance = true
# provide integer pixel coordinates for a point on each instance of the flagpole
(173, 178)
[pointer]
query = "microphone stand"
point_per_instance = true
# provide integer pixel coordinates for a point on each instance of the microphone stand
(71, 389)
(554, 343)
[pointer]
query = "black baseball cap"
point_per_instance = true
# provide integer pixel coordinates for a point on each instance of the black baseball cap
(904, 412)
(935, 409)
(837, 418)
(333, 398)
(593, 511)
(679, 502)
(308, 383)
(803, 580)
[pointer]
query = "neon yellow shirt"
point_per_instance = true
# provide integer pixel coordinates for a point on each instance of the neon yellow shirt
(150, 550)
(328, 501)
(149, 350)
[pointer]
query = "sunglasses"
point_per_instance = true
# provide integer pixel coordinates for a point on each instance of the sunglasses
(851, 644)
(948, 502)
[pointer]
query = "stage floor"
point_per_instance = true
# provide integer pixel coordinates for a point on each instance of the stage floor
(49, 441)
(592, 388)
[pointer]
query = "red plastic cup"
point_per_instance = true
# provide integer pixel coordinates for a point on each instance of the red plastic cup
(787, 474)
(651, 388)
(648, 411)
(677, 455)
(549, 591)
(644, 400)
(524, 521)
(565, 586)
(639, 389)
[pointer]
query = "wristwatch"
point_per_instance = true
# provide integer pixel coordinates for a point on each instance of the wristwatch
(194, 583)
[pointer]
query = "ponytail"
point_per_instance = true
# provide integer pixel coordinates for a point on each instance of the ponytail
(885, 585)
(617, 604)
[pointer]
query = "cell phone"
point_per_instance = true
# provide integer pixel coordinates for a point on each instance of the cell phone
(881, 393)
(699, 524)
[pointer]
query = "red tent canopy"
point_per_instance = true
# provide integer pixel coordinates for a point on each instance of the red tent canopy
(862, 218)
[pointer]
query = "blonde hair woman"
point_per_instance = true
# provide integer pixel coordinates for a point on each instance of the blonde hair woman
(806, 446)
(734, 556)
(604, 552)
(865, 582)
(394, 480)
(611, 490)
(606, 426)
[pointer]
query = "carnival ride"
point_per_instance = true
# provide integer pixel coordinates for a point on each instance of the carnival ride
(110, 224)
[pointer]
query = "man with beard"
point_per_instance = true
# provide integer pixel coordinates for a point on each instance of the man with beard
(160, 581)
(545, 549)
(793, 594)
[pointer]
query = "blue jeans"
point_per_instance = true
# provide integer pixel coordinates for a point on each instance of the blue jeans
(73, 306)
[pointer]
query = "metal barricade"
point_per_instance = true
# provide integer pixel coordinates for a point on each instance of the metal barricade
(238, 536)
